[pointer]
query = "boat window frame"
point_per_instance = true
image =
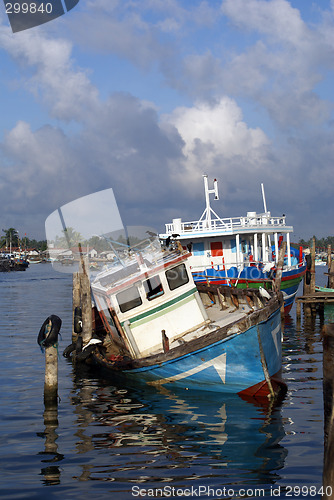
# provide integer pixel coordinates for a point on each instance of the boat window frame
(149, 291)
(137, 300)
(178, 285)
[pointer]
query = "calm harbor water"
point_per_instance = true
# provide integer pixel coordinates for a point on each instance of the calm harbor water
(106, 439)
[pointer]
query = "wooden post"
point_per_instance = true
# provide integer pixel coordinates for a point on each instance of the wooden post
(48, 342)
(75, 301)
(309, 279)
(298, 312)
(330, 269)
(51, 374)
(312, 290)
(328, 397)
(329, 256)
(86, 306)
(281, 254)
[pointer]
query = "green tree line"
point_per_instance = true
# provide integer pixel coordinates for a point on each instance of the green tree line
(11, 235)
(319, 242)
(11, 238)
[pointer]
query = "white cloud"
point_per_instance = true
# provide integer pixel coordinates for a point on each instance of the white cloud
(155, 163)
(219, 143)
(48, 70)
(275, 18)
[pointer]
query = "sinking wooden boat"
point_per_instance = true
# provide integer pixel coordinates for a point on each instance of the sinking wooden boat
(143, 316)
(153, 324)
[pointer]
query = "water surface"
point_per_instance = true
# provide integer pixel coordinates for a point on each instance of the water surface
(106, 439)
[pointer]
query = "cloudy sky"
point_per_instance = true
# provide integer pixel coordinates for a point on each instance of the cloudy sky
(144, 96)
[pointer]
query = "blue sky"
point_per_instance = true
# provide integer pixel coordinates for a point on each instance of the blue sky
(145, 96)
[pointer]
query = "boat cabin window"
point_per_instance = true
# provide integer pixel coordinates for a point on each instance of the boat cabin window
(153, 288)
(128, 299)
(107, 312)
(216, 248)
(177, 276)
(198, 248)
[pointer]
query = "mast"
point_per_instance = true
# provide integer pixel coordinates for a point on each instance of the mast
(264, 198)
(208, 209)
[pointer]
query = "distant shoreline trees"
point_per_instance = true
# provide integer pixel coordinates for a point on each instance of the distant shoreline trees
(321, 244)
(11, 238)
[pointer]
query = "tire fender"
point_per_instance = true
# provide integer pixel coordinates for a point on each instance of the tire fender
(47, 336)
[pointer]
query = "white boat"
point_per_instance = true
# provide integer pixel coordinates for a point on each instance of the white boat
(239, 251)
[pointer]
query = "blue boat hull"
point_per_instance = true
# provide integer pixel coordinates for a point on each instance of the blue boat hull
(232, 365)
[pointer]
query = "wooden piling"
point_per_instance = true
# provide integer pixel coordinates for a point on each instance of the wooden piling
(309, 280)
(75, 301)
(330, 271)
(48, 341)
(280, 263)
(86, 307)
(313, 266)
(328, 398)
(51, 375)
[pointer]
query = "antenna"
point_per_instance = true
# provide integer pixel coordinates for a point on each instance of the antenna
(264, 198)
(208, 209)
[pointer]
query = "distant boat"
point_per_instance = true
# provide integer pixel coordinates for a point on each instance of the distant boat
(34, 260)
(238, 251)
(11, 262)
(323, 289)
(320, 262)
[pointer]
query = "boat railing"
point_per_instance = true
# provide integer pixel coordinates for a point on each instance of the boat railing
(227, 224)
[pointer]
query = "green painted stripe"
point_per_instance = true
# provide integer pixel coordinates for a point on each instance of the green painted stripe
(161, 310)
(284, 284)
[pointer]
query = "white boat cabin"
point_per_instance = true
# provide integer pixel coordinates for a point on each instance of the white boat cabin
(231, 242)
(154, 301)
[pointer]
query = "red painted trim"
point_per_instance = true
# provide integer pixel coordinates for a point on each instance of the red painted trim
(288, 308)
(261, 390)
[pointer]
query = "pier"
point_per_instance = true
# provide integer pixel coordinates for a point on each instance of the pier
(314, 301)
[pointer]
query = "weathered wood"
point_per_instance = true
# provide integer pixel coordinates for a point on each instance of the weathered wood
(331, 275)
(280, 263)
(309, 280)
(312, 290)
(298, 310)
(328, 397)
(51, 374)
(86, 306)
(316, 298)
(75, 301)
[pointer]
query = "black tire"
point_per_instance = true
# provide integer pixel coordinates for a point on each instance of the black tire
(83, 355)
(68, 350)
(46, 340)
(78, 345)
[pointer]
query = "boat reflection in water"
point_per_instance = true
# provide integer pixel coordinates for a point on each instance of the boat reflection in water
(179, 439)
